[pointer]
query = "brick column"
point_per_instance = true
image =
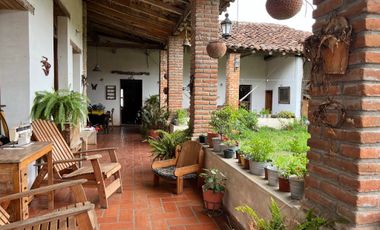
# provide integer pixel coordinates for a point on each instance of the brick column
(204, 70)
(344, 168)
(232, 79)
(163, 81)
(175, 72)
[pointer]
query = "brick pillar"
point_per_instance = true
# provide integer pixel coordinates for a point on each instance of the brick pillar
(344, 168)
(163, 81)
(232, 80)
(175, 72)
(204, 70)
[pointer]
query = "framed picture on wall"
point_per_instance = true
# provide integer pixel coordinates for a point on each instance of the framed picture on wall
(110, 92)
(283, 95)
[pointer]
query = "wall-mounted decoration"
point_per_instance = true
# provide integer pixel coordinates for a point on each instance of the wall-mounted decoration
(330, 107)
(45, 65)
(110, 92)
(84, 80)
(129, 73)
(94, 86)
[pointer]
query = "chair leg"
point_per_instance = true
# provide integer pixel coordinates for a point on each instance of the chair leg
(179, 185)
(117, 175)
(100, 183)
(156, 180)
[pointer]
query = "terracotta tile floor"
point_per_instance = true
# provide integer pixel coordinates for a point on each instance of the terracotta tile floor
(141, 206)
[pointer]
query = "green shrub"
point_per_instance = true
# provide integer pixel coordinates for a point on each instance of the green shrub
(152, 115)
(182, 116)
(214, 180)
(286, 114)
(222, 120)
(313, 222)
(299, 145)
(258, 149)
(164, 147)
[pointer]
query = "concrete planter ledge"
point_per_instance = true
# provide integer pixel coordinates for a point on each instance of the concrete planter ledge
(245, 188)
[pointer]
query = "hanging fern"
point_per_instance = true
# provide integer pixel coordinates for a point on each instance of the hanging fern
(62, 106)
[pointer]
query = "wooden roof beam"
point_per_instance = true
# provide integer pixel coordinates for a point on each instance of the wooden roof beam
(182, 20)
(163, 6)
(126, 45)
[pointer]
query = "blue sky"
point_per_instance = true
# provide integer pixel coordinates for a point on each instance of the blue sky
(254, 11)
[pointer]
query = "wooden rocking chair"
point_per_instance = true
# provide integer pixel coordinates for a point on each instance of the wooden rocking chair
(65, 167)
(187, 164)
(79, 216)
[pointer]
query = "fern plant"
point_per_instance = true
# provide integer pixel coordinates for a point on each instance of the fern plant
(164, 147)
(276, 223)
(61, 106)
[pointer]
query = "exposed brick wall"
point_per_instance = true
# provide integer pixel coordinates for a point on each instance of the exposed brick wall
(204, 70)
(232, 80)
(175, 72)
(163, 81)
(344, 163)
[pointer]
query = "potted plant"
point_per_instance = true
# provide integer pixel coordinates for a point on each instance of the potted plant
(281, 164)
(213, 189)
(163, 148)
(298, 172)
(216, 141)
(260, 149)
(202, 139)
(211, 135)
(221, 121)
(273, 175)
(67, 109)
(153, 117)
(265, 113)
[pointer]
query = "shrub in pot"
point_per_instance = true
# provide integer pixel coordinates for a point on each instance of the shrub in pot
(259, 150)
(216, 141)
(66, 108)
(181, 117)
(221, 121)
(298, 172)
(213, 189)
(273, 175)
(282, 164)
(211, 135)
(164, 147)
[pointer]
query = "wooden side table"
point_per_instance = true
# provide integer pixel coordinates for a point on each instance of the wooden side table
(14, 174)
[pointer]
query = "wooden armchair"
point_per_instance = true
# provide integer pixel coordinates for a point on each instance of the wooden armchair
(80, 215)
(66, 168)
(186, 165)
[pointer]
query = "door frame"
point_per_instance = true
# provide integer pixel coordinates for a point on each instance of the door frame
(266, 102)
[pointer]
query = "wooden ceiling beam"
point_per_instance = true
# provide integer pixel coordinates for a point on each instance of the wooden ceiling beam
(163, 6)
(60, 9)
(127, 29)
(182, 20)
(108, 10)
(17, 5)
(125, 45)
(127, 8)
(134, 27)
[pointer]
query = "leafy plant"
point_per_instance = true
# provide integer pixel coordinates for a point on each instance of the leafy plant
(265, 112)
(182, 116)
(277, 222)
(258, 149)
(214, 180)
(152, 115)
(298, 165)
(298, 145)
(221, 120)
(61, 106)
(313, 222)
(286, 114)
(246, 120)
(164, 147)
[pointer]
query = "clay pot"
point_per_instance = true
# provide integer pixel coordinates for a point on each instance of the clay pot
(246, 164)
(242, 160)
(216, 49)
(283, 9)
(283, 184)
(209, 138)
(153, 134)
(265, 173)
(238, 156)
(212, 200)
(335, 56)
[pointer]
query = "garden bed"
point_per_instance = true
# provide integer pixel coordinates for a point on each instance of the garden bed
(275, 123)
(245, 188)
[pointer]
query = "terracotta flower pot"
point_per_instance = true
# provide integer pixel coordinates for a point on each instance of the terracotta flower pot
(212, 200)
(242, 160)
(283, 184)
(335, 56)
(246, 164)
(216, 49)
(265, 173)
(153, 134)
(283, 9)
(209, 138)
(238, 156)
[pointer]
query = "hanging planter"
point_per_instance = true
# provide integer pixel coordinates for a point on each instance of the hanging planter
(283, 9)
(216, 49)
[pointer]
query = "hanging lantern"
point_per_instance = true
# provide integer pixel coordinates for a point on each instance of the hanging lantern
(283, 9)
(97, 66)
(216, 49)
(186, 41)
(226, 25)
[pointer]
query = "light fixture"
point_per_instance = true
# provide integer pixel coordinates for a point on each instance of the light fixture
(226, 25)
(97, 66)
(236, 63)
(186, 42)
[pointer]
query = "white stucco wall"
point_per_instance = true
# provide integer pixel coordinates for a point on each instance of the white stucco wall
(124, 60)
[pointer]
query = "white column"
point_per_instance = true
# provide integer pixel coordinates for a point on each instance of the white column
(64, 53)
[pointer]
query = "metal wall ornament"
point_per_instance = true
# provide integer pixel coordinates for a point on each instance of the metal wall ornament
(283, 9)
(45, 65)
(330, 107)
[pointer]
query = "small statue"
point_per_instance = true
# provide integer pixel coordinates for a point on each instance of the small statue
(45, 65)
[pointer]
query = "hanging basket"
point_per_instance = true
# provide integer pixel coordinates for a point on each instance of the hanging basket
(216, 49)
(335, 56)
(283, 9)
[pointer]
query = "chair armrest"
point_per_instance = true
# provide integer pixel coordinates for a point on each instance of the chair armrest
(111, 152)
(85, 158)
(187, 170)
(164, 163)
(42, 190)
(58, 214)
